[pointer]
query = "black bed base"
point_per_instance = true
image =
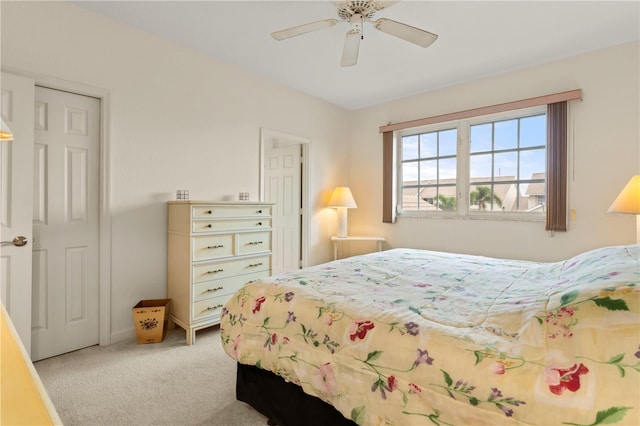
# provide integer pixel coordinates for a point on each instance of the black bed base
(284, 403)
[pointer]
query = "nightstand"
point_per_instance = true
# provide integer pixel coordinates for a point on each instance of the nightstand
(336, 239)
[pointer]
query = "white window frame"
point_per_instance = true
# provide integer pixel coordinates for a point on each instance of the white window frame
(462, 169)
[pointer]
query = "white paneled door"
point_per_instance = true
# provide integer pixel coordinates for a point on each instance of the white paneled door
(65, 300)
(16, 174)
(283, 187)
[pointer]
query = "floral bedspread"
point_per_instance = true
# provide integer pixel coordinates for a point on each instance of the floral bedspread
(414, 337)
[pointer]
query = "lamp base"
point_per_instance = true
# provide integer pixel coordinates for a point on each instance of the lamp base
(342, 222)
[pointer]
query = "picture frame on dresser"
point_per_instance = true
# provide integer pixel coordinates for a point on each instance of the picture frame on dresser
(213, 249)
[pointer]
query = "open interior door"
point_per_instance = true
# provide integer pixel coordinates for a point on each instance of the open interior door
(16, 202)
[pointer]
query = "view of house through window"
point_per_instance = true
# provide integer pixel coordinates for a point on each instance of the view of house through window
(499, 165)
(429, 163)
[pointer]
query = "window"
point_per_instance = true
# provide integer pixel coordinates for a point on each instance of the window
(429, 162)
(482, 166)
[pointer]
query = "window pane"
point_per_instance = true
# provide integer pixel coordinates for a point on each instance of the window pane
(427, 198)
(505, 135)
(506, 165)
(447, 199)
(480, 166)
(410, 198)
(482, 198)
(410, 173)
(448, 142)
(533, 131)
(481, 138)
(428, 172)
(410, 147)
(428, 145)
(532, 163)
(504, 198)
(448, 169)
(533, 196)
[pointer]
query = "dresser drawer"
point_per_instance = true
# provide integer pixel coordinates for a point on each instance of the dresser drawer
(207, 289)
(209, 307)
(227, 268)
(205, 212)
(200, 226)
(212, 247)
(254, 242)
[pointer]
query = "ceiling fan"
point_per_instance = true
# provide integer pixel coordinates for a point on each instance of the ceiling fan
(356, 13)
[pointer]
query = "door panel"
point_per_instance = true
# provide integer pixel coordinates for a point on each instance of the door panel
(66, 227)
(283, 187)
(16, 174)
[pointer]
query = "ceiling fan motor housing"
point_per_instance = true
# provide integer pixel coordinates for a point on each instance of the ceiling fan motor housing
(356, 13)
(366, 8)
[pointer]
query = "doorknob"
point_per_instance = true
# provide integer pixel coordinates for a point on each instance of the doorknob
(18, 241)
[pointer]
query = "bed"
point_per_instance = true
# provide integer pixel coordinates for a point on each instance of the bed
(416, 337)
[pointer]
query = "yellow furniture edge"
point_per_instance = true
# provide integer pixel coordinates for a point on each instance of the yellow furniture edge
(23, 398)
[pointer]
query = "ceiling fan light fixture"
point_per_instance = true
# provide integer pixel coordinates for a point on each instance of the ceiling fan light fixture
(356, 21)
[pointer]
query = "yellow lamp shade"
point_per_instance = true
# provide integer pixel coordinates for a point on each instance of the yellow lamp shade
(628, 201)
(5, 131)
(342, 197)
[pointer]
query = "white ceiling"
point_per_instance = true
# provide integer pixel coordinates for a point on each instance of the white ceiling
(476, 39)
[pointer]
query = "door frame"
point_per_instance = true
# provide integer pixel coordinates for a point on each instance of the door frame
(272, 138)
(104, 209)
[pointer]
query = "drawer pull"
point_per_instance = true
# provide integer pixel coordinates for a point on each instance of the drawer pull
(253, 265)
(209, 212)
(209, 226)
(251, 281)
(211, 290)
(215, 247)
(254, 243)
(215, 272)
(213, 308)
(259, 223)
(259, 211)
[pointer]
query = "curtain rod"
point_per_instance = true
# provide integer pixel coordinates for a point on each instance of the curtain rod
(569, 95)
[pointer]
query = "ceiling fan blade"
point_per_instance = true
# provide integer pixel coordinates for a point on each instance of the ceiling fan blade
(406, 32)
(379, 5)
(351, 48)
(303, 29)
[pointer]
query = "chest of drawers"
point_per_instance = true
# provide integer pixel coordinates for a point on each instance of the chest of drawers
(213, 249)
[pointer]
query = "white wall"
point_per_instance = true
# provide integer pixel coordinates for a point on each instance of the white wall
(178, 120)
(604, 153)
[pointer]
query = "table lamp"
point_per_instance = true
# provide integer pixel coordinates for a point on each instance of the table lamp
(341, 199)
(5, 132)
(628, 201)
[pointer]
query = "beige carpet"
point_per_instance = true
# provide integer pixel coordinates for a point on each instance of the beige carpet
(164, 383)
